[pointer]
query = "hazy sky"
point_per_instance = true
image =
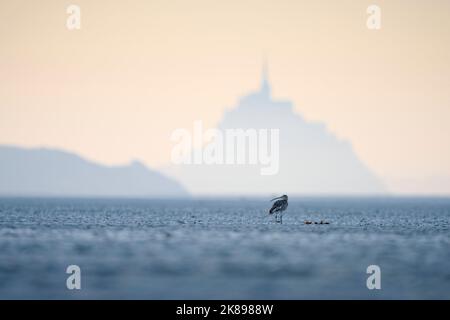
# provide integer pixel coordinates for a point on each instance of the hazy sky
(116, 89)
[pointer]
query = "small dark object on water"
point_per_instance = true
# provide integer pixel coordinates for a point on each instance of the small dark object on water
(321, 222)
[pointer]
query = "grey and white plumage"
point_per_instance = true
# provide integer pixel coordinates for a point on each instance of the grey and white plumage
(278, 207)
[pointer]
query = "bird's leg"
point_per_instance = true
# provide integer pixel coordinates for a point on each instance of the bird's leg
(281, 218)
(276, 217)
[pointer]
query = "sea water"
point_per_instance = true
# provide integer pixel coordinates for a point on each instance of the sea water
(224, 248)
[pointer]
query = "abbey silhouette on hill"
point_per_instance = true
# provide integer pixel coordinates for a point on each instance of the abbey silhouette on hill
(311, 159)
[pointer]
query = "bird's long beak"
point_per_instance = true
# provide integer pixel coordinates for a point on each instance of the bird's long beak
(275, 198)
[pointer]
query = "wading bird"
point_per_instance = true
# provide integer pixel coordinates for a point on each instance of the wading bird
(278, 207)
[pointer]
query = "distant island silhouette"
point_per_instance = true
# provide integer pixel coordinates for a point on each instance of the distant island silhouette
(49, 172)
(312, 159)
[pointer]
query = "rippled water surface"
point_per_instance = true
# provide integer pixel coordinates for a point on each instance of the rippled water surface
(213, 249)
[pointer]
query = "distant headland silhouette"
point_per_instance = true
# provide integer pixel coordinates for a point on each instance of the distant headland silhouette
(49, 172)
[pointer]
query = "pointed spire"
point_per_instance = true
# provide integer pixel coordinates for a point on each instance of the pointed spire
(265, 86)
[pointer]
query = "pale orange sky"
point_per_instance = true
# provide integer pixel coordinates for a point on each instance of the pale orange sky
(116, 89)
